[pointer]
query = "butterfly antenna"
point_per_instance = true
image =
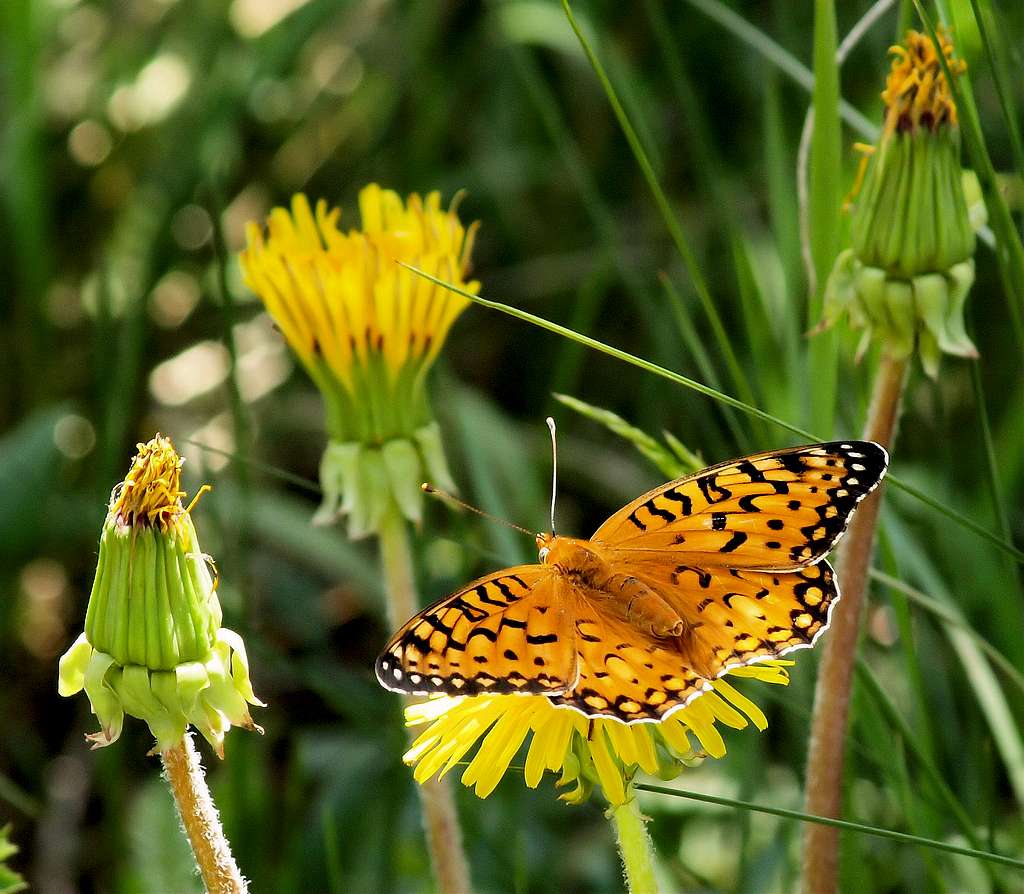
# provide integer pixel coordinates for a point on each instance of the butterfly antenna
(447, 497)
(554, 470)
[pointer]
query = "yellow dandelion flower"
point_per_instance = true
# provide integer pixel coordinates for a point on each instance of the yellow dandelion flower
(367, 330)
(585, 751)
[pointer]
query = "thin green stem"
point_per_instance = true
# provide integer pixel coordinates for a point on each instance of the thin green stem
(846, 825)
(635, 847)
(719, 396)
(440, 821)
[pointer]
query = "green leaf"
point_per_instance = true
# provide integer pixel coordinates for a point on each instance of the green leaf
(10, 881)
(666, 462)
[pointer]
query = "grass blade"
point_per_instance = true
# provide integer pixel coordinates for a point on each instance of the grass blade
(668, 215)
(999, 77)
(717, 395)
(825, 177)
(837, 823)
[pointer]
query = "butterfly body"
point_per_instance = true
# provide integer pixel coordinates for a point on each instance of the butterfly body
(585, 566)
(694, 578)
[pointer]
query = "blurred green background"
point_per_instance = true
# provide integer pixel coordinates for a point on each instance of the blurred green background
(139, 136)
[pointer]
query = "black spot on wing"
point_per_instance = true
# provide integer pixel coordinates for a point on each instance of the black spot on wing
(735, 542)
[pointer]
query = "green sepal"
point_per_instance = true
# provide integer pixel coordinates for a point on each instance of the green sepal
(10, 881)
(362, 481)
(573, 774)
(72, 665)
(428, 439)
(337, 478)
(211, 694)
(98, 684)
(925, 313)
(405, 472)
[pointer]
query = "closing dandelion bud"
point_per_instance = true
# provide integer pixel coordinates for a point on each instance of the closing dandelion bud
(367, 331)
(153, 646)
(910, 266)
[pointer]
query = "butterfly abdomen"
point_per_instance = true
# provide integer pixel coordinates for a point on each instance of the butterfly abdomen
(622, 595)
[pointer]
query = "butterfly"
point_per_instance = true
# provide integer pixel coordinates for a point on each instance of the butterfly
(702, 575)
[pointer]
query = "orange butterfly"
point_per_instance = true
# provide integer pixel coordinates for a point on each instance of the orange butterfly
(695, 578)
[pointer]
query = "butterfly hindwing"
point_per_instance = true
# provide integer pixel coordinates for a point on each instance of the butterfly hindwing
(781, 510)
(507, 632)
(624, 673)
(738, 616)
(732, 619)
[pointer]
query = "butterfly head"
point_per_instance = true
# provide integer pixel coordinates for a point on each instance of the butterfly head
(544, 542)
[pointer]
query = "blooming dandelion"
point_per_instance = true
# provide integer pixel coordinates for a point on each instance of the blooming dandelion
(584, 751)
(367, 330)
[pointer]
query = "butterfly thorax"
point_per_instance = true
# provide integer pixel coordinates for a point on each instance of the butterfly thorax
(592, 573)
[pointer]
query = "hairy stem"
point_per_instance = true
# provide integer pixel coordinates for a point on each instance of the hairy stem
(199, 818)
(634, 847)
(824, 786)
(440, 821)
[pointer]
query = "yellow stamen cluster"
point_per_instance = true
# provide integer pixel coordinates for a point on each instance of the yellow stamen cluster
(151, 493)
(916, 92)
(615, 751)
(342, 298)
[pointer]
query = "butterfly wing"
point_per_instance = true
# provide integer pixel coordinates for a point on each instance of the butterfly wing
(731, 619)
(781, 510)
(735, 617)
(624, 673)
(510, 631)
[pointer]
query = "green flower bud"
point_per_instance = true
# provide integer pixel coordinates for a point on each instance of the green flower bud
(906, 277)
(153, 647)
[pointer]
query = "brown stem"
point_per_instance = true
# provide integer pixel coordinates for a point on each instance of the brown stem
(199, 817)
(440, 821)
(824, 785)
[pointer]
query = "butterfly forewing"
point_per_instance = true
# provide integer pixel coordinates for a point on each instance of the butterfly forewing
(507, 632)
(781, 510)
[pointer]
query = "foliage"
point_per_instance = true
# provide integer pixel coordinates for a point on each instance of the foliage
(144, 134)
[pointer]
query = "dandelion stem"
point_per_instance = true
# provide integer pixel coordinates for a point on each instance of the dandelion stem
(634, 847)
(199, 818)
(440, 821)
(824, 786)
